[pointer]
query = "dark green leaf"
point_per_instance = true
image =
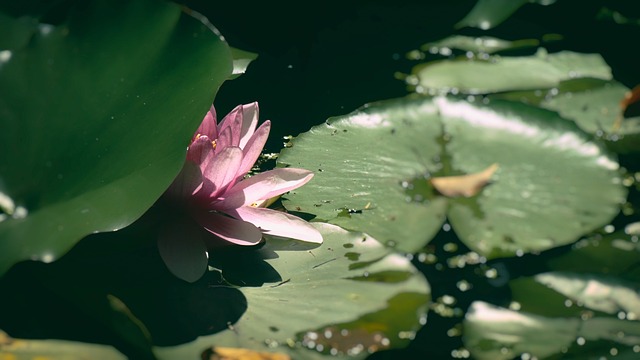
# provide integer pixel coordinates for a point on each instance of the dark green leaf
(96, 114)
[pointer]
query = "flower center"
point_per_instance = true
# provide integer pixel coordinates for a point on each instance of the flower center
(213, 142)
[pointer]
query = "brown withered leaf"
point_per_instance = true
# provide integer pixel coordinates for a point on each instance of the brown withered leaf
(631, 97)
(629, 107)
(630, 102)
(4, 338)
(227, 353)
(463, 185)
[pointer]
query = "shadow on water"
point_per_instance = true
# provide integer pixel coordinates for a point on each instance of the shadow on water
(109, 284)
(245, 266)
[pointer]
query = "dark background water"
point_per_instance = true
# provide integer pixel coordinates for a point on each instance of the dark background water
(318, 61)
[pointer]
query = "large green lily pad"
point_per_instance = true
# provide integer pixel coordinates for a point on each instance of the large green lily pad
(539, 71)
(96, 114)
(373, 167)
(349, 296)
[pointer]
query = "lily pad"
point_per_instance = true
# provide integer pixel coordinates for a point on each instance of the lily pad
(312, 309)
(483, 44)
(241, 61)
(373, 168)
(492, 332)
(601, 293)
(597, 110)
(48, 349)
(627, 138)
(594, 109)
(592, 311)
(487, 14)
(595, 105)
(572, 293)
(96, 114)
(496, 74)
(616, 254)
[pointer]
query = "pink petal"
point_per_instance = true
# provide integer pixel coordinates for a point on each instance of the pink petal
(208, 127)
(232, 230)
(221, 171)
(249, 123)
(201, 151)
(278, 223)
(187, 183)
(233, 122)
(224, 140)
(253, 148)
(264, 186)
(183, 251)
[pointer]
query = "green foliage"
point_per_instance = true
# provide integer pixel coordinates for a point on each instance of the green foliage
(97, 118)
(529, 206)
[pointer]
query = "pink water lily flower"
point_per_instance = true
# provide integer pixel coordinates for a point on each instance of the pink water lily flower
(214, 190)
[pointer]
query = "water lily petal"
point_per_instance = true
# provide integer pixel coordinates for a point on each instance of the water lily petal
(183, 251)
(233, 122)
(224, 140)
(232, 230)
(253, 148)
(221, 171)
(249, 122)
(209, 126)
(278, 223)
(187, 183)
(264, 186)
(201, 151)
